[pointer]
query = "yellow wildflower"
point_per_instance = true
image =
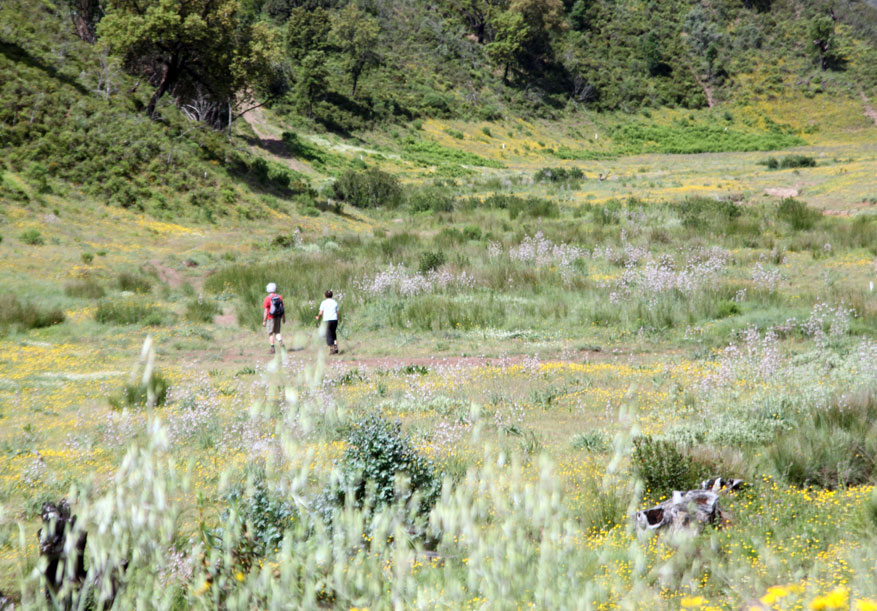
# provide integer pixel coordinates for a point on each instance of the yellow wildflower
(693, 601)
(774, 593)
(866, 604)
(239, 576)
(836, 599)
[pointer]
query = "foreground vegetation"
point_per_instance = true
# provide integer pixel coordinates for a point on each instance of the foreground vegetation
(551, 315)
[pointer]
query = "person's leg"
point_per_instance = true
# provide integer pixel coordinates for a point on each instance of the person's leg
(332, 336)
(278, 322)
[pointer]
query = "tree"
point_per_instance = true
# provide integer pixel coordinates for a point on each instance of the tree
(824, 41)
(511, 35)
(478, 15)
(356, 34)
(307, 40)
(85, 15)
(191, 49)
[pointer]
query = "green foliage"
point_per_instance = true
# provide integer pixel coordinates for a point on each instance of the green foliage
(259, 515)
(430, 153)
(371, 188)
(134, 283)
(378, 453)
(559, 175)
(593, 441)
(607, 508)
(129, 312)
(84, 288)
(136, 394)
(32, 237)
(430, 199)
(87, 257)
(204, 50)
(798, 215)
(16, 314)
(536, 207)
(430, 260)
(202, 310)
(636, 137)
(662, 467)
(834, 446)
(790, 161)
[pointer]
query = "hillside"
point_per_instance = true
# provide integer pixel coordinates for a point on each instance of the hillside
(72, 115)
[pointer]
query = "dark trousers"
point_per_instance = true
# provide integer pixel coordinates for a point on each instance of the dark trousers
(331, 332)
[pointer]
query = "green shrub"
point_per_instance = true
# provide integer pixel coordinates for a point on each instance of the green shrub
(260, 513)
(15, 314)
(797, 161)
(536, 207)
(472, 232)
(662, 467)
(592, 441)
(134, 283)
(135, 395)
(798, 215)
(371, 188)
(832, 447)
(431, 260)
(606, 507)
(129, 312)
(431, 199)
(378, 451)
(32, 237)
(559, 175)
(202, 310)
(87, 257)
(84, 288)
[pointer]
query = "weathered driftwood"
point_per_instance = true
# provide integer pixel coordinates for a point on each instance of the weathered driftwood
(687, 510)
(65, 567)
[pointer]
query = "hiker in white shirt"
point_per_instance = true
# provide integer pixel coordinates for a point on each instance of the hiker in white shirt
(329, 314)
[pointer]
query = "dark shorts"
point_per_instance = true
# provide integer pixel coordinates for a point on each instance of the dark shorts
(331, 332)
(273, 325)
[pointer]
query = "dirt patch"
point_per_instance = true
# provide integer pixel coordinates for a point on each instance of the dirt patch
(869, 110)
(273, 146)
(166, 274)
(226, 320)
(782, 192)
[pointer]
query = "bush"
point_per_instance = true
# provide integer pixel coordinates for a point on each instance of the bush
(377, 452)
(84, 288)
(431, 260)
(134, 283)
(833, 447)
(15, 314)
(371, 188)
(431, 199)
(606, 507)
(798, 215)
(559, 175)
(87, 257)
(136, 394)
(662, 467)
(797, 161)
(202, 310)
(472, 232)
(259, 512)
(536, 207)
(592, 441)
(32, 237)
(129, 312)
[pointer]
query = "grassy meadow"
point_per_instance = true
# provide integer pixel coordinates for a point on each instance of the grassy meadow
(529, 305)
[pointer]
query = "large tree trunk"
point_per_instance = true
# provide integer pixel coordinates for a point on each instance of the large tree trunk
(85, 15)
(171, 73)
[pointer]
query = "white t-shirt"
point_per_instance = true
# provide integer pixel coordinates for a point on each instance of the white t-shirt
(329, 308)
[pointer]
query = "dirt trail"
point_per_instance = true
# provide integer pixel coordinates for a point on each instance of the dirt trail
(869, 110)
(274, 146)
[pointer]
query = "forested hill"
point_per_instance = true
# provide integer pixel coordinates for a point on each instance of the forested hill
(151, 84)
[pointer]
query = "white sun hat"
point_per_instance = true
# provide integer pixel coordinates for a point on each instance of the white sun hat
(271, 287)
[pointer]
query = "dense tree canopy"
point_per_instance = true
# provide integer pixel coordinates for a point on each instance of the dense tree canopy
(199, 51)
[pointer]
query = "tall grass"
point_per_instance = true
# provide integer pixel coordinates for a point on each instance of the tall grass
(22, 315)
